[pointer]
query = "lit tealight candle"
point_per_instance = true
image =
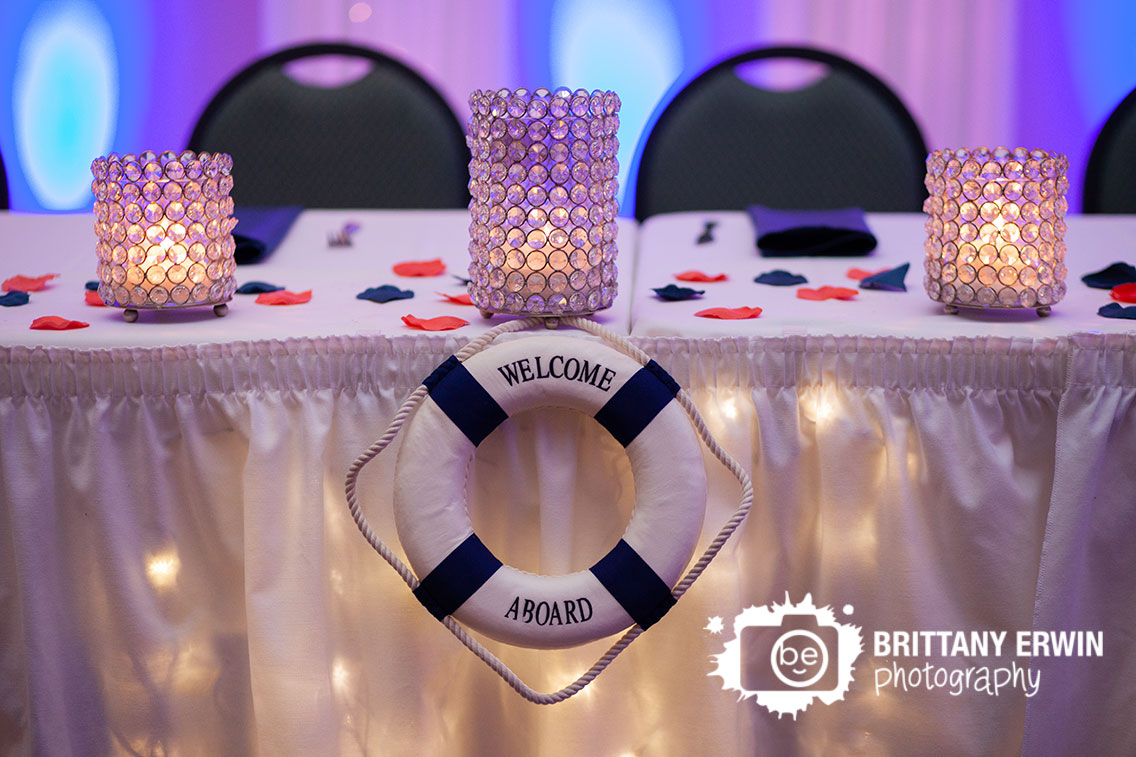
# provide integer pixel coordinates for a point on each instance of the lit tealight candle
(163, 226)
(996, 228)
(542, 182)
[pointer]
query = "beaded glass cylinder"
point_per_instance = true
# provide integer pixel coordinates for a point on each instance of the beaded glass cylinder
(996, 228)
(543, 201)
(164, 226)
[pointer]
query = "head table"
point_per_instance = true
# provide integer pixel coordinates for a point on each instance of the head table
(179, 572)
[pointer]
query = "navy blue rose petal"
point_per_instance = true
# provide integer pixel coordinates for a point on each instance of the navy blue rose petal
(92, 286)
(779, 278)
(673, 293)
(1116, 310)
(257, 287)
(14, 299)
(887, 281)
(385, 293)
(707, 235)
(1114, 275)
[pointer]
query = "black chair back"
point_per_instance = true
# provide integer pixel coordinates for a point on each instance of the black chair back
(3, 186)
(1110, 177)
(386, 140)
(723, 143)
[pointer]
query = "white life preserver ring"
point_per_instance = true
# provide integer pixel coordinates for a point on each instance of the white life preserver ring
(461, 577)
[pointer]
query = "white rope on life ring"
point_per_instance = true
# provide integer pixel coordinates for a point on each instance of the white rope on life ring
(631, 585)
(499, 667)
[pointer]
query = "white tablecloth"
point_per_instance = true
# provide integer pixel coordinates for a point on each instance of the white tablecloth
(669, 246)
(182, 574)
(33, 245)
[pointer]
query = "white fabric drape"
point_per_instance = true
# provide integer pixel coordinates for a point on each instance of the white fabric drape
(179, 573)
(1087, 569)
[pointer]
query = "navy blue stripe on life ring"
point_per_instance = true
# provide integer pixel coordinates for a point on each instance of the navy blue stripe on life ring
(457, 578)
(472, 409)
(637, 402)
(632, 582)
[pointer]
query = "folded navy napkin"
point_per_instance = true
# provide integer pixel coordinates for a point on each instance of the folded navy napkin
(261, 229)
(785, 233)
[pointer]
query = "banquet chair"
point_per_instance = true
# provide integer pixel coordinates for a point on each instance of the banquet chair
(1110, 176)
(3, 186)
(845, 139)
(385, 140)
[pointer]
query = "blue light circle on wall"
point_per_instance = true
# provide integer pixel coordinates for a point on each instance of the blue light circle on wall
(64, 101)
(1099, 34)
(632, 47)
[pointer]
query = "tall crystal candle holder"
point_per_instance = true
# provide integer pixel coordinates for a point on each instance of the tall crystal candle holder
(996, 228)
(542, 209)
(164, 226)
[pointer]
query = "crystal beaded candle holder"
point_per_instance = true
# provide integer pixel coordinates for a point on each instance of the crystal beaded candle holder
(996, 228)
(164, 231)
(542, 186)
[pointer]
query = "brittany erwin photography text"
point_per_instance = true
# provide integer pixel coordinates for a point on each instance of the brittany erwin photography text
(983, 679)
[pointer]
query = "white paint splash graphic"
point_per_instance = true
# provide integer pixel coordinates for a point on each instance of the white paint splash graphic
(797, 693)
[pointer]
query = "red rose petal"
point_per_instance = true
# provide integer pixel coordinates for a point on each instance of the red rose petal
(1124, 292)
(284, 297)
(700, 276)
(457, 299)
(859, 274)
(441, 323)
(433, 267)
(839, 293)
(27, 283)
(729, 314)
(826, 293)
(55, 323)
(94, 299)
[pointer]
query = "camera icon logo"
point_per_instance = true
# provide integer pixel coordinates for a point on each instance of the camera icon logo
(798, 653)
(804, 653)
(786, 656)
